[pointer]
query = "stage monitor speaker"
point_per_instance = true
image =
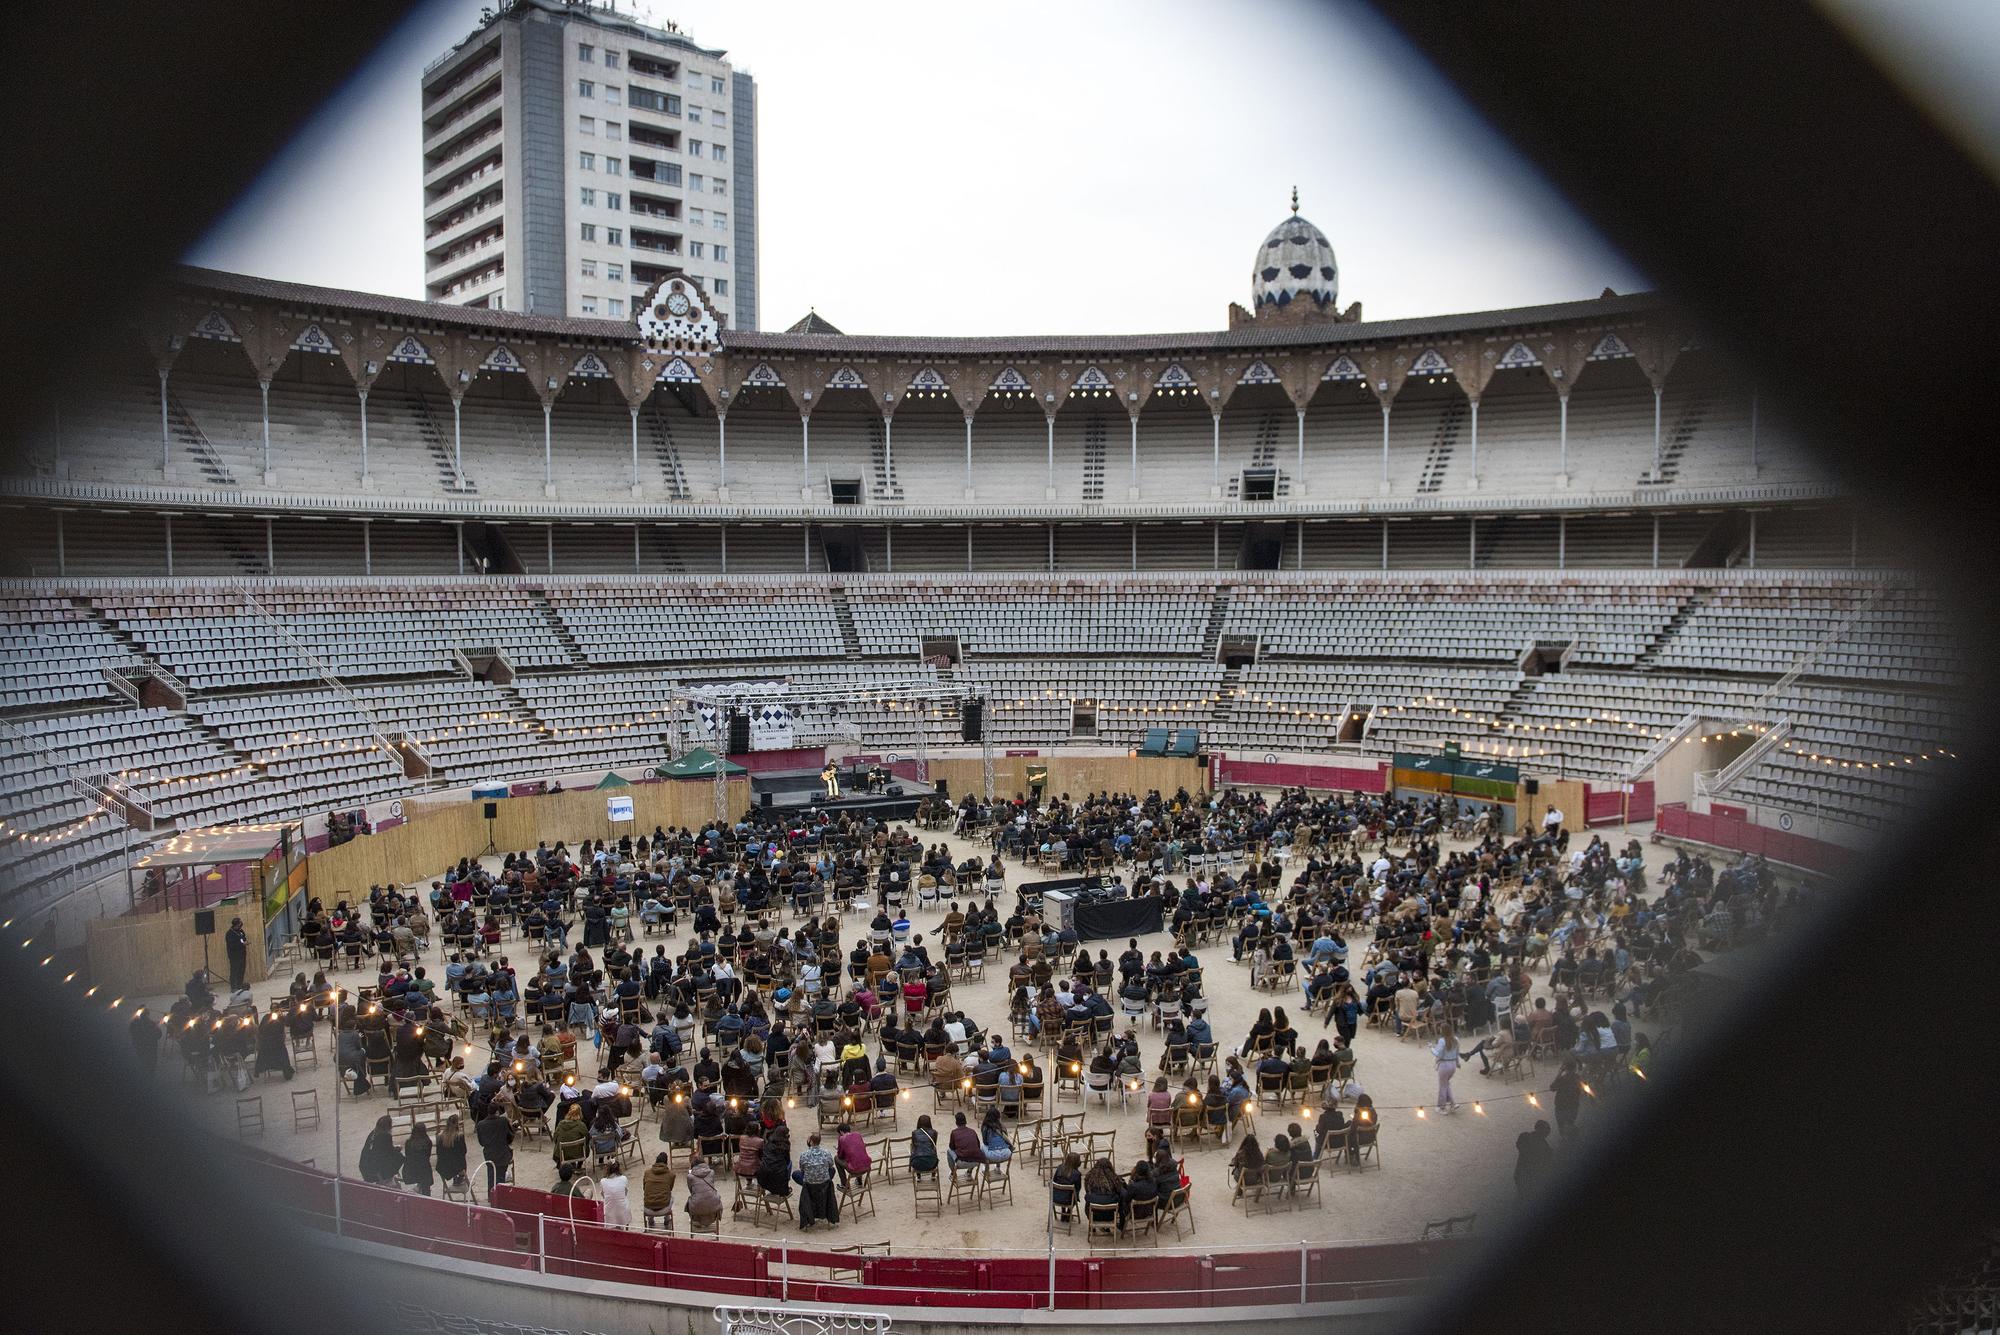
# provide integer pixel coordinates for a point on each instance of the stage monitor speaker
(943, 787)
(1533, 786)
(972, 720)
(204, 922)
(492, 811)
(769, 800)
(895, 790)
(739, 733)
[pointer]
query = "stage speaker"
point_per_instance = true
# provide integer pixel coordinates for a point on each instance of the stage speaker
(768, 802)
(204, 922)
(1532, 786)
(972, 720)
(739, 733)
(943, 787)
(895, 790)
(492, 811)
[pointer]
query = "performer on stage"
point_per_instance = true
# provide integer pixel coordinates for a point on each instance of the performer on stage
(830, 776)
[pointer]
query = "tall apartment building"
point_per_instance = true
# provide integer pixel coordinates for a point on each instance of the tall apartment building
(573, 157)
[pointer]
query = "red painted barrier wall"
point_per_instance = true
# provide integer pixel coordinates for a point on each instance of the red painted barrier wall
(508, 1232)
(1609, 806)
(1734, 832)
(1373, 778)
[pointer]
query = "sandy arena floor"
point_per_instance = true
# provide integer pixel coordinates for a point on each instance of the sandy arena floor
(1431, 1167)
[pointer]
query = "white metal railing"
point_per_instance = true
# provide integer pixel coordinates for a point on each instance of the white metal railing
(1756, 708)
(255, 500)
(1081, 580)
(1651, 755)
(1711, 783)
(392, 743)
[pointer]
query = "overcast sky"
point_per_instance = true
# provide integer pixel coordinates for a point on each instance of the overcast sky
(1101, 166)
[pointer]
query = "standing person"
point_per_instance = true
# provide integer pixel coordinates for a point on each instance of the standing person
(237, 944)
(496, 1143)
(417, 1160)
(1534, 1157)
(146, 1042)
(1445, 1053)
(1568, 1089)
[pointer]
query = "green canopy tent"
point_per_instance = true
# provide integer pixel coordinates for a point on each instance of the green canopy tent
(612, 779)
(699, 763)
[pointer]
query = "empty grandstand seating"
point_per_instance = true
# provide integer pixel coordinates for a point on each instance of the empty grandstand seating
(1365, 663)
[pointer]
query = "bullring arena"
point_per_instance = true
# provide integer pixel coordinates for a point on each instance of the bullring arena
(1511, 669)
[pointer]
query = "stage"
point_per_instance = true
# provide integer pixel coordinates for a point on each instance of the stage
(787, 790)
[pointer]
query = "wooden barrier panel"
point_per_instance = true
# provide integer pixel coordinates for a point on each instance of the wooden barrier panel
(583, 814)
(431, 839)
(145, 953)
(438, 834)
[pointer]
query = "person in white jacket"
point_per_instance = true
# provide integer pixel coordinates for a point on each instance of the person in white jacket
(1445, 1052)
(616, 1192)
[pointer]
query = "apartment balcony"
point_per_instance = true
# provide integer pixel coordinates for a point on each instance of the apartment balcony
(447, 267)
(459, 191)
(471, 287)
(448, 225)
(483, 100)
(462, 154)
(462, 82)
(646, 206)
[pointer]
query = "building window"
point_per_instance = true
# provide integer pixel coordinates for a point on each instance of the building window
(585, 52)
(586, 125)
(694, 217)
(588, 232)
(585, 88)
(587, 196)
(613, 200)
(717, 152)
(716, 118)
(722, 254)
(722, 287)
(614, 131)
(615, 272)
(715, 85)
(614, 166)
(590, 268)
(696, 250)
(589, 305)
(611, 60)
(614, 236)
(586, 162)
(694, 147)
(694, 114)
(647, 100)
(694, 182)
(610, 95)
(614, 306)
(694, 78)
(721, 186)
(721, 218)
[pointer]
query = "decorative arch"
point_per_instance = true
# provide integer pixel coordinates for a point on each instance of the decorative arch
(675, 317)
(1343, 368)
(315, 339)
(411, 351)
(215, 325)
